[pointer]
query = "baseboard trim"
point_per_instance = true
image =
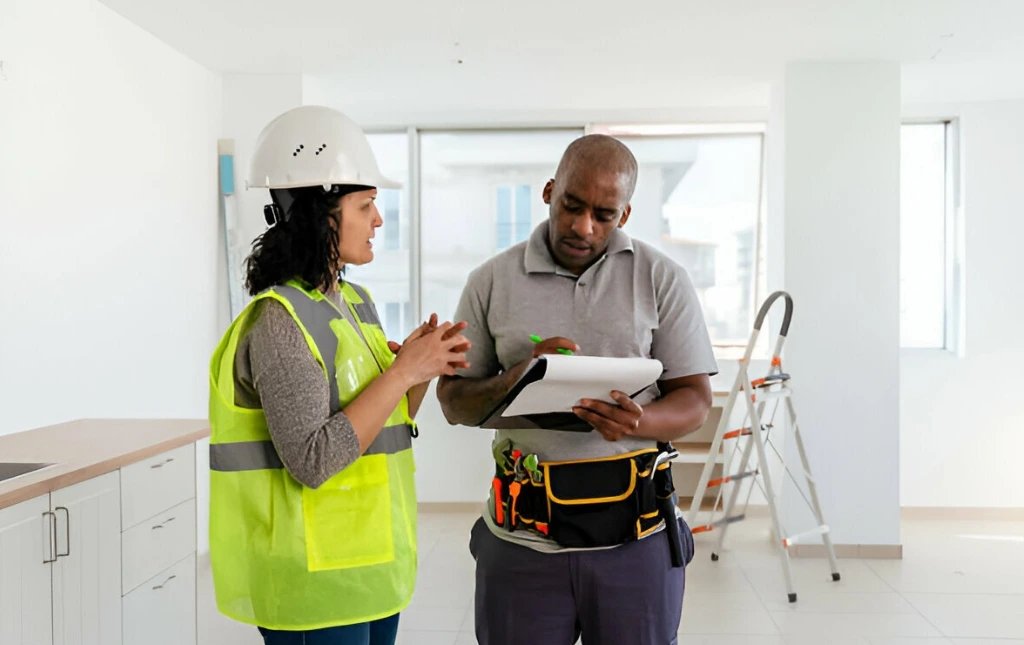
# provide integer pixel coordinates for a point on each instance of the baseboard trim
(451, 507)
(976, 514)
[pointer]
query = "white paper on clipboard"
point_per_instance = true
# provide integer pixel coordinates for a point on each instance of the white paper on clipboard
(567, 379)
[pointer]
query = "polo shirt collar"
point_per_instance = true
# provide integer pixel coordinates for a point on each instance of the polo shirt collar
(539, 259)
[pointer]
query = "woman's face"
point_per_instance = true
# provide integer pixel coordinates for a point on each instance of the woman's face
(359, 221)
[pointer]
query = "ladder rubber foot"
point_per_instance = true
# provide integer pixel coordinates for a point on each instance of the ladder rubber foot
(792, 597)
(835, 577)
(714, 557)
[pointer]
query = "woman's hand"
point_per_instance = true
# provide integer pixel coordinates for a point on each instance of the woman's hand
(426, 327)
(432, 350)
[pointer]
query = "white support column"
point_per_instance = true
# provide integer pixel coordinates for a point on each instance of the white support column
(842, 166)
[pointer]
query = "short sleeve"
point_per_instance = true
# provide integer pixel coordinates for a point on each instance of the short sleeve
(681, 341)
(473, 309)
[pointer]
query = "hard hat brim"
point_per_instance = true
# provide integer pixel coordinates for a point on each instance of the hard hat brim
(381, 183)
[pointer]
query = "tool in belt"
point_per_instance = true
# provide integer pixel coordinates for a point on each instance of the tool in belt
(588, 503)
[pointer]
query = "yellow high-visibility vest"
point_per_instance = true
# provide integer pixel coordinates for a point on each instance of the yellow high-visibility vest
(289, 557)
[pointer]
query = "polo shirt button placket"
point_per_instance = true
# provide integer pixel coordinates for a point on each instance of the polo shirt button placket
(580, 296)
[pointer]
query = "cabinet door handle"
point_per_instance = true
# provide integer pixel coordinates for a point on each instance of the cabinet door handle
(51, 536)
(161, 464)
(67, 531)
(163, 524)
(161, 586)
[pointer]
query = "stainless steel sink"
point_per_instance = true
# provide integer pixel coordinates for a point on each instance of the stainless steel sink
(10, 470)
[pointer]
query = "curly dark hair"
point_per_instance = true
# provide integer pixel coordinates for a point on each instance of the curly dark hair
(303, 245)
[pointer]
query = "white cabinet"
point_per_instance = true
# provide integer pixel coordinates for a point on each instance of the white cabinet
(108, 561)
(87, 573)
(26, 546)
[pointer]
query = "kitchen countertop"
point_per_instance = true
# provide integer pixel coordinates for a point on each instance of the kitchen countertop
(88, 448)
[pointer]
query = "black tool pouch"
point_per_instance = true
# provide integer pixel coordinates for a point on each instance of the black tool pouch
(604, 502)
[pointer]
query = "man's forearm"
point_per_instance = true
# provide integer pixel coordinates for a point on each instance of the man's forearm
(466, 401)
(677, 414)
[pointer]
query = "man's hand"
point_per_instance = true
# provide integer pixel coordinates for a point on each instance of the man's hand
(612, 421)
(546, 346)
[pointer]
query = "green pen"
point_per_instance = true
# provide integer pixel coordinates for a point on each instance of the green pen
(561, 350)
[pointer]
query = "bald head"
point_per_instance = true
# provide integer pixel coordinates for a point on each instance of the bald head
(598, 153)
(589, 198)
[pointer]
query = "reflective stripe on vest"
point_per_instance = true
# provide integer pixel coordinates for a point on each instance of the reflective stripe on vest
(261, 455)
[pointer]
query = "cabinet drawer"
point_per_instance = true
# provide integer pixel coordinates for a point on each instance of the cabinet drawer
(156, 484)
(156, 544)
(163, 610)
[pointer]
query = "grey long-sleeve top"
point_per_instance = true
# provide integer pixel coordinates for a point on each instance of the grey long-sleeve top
(276, 371)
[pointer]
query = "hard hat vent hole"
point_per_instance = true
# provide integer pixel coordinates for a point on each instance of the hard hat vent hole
(321, 149)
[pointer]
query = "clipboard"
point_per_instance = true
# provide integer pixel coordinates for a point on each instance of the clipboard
(543, 397)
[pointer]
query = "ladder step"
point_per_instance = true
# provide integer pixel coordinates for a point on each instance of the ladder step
(717, 523)
(742, 432)
(769, 381)
(819, 530)
(731, 478)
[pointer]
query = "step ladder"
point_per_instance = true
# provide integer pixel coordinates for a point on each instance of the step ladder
(756, 433)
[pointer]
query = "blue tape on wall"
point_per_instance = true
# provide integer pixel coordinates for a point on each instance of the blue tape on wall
(227, 174)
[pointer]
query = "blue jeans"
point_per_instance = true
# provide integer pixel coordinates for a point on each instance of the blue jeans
(378, 632)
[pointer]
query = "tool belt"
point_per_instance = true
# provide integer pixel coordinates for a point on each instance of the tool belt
(584, 503)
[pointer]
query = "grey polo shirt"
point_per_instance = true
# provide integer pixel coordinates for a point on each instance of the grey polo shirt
(633, 302)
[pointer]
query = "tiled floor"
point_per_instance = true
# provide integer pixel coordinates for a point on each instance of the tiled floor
(960, 583)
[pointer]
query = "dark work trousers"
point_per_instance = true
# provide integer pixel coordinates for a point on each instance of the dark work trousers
(629, 595)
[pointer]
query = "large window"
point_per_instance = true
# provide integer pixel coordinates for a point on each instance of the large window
(930, 266)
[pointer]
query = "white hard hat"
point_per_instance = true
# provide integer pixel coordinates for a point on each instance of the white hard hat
(314, 146)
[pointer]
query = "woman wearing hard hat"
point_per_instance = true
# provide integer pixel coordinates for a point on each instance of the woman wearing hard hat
(312, 498)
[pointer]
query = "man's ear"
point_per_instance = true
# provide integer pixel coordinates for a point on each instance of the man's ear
(625, 215)
(548, 187)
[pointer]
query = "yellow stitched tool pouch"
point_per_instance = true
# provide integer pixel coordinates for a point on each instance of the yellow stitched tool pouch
(602, 502)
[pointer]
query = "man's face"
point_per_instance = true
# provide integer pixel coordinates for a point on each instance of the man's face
(586, 206)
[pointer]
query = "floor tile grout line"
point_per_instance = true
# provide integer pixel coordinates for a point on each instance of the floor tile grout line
(764, 605)
(921, 614)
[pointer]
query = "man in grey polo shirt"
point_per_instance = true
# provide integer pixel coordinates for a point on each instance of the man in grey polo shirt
(583, 284)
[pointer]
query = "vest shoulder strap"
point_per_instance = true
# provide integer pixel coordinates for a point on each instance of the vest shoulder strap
(315, 316)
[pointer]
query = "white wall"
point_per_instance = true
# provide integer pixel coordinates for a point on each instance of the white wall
(960, 421)
(108, 200)
(842, 268)
(110, 247)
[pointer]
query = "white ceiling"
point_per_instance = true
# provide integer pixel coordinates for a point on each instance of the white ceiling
(548, 53)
